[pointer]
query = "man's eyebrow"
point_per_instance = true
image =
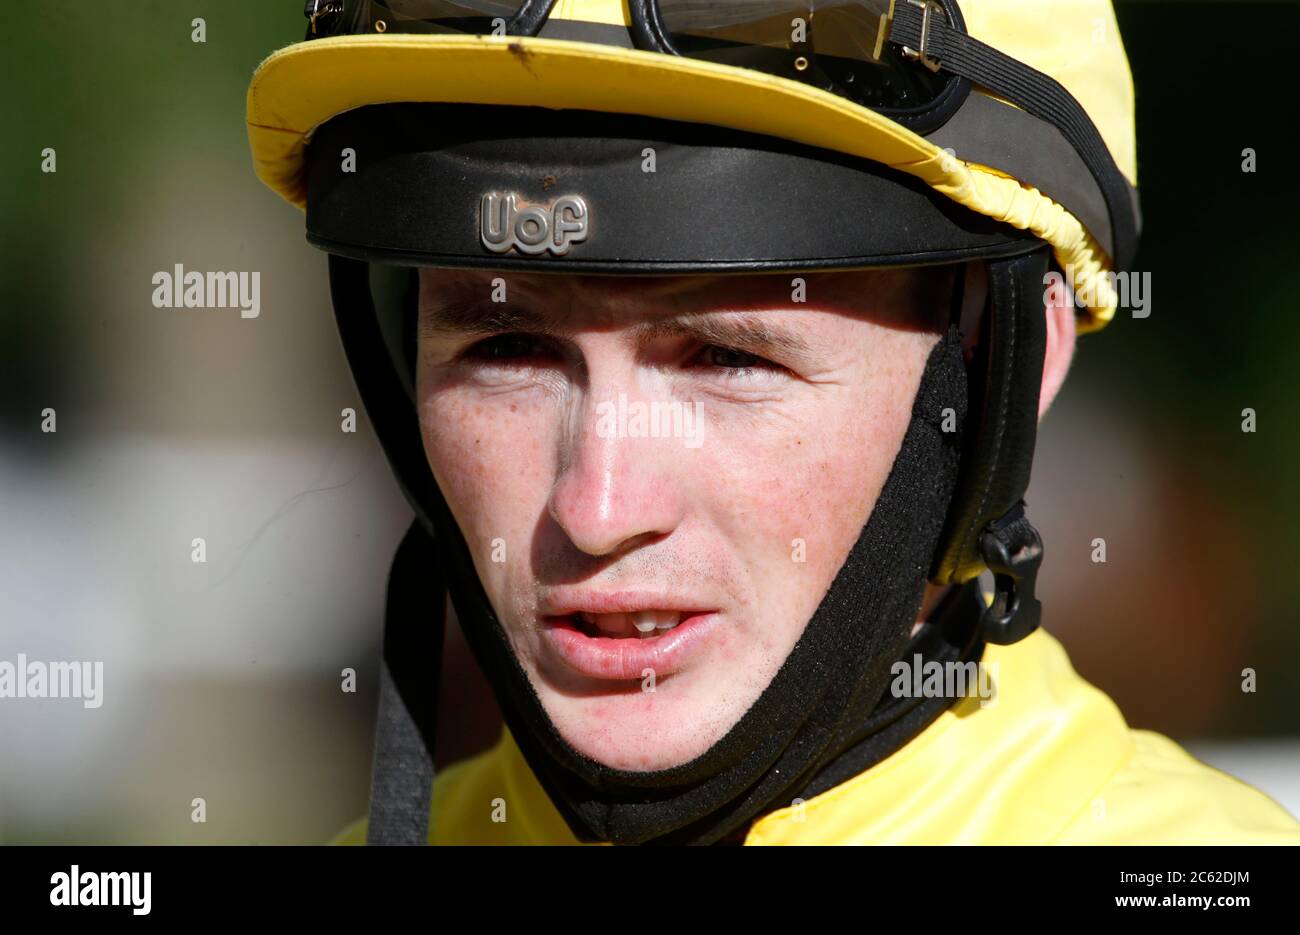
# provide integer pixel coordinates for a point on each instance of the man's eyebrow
(475, 316)
(748, 332)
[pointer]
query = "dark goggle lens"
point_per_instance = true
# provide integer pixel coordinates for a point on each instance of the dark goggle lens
(839, 47)
(359, 17)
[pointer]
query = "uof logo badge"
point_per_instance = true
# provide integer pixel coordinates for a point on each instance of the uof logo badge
(507, 223)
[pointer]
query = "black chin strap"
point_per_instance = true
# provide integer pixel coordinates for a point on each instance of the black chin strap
(402, 772)
(952, 636)
(987, 526)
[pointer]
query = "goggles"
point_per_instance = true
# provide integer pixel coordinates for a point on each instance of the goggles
(909, 60)
(841, 48)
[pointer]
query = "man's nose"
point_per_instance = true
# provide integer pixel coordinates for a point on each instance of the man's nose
(616, 488)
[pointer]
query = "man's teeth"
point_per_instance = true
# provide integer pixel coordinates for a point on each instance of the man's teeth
(642, 622)
(647, 621)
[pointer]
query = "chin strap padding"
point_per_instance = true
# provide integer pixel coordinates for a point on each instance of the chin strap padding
(987, 527)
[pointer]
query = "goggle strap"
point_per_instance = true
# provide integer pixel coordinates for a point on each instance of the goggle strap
(1037, 93)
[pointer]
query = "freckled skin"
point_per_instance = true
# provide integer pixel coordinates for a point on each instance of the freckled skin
(797, 451)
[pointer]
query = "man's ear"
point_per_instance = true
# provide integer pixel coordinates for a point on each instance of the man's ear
(1060, 345)
(1060, 330)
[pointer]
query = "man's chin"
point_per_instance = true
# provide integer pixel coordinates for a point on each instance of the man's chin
(640, 731)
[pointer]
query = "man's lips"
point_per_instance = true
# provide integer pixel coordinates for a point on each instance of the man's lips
(634, 656)
(608, 634)
(620, 634)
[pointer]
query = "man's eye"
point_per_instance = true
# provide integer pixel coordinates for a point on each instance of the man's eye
(729, 358)
(507, 347)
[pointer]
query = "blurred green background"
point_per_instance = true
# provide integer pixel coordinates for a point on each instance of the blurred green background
(222, 679)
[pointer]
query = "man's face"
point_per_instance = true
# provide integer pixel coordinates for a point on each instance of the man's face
(659, 478)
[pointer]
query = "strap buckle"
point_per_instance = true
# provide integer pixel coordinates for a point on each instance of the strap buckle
(317, 8)
(1012, 549)
(919, 55)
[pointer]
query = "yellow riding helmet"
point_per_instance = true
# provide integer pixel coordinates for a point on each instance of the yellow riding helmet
(1013, 150)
